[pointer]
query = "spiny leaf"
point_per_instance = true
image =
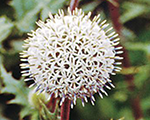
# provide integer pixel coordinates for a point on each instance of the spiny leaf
(120, 96)
(135, 70)
(126, 112)
(1, 114)
(90, 6)
(26, 14)
(22, 7)
(27, 23)
(6, 28)
(142, 77)
(46, 114)
(113, 2)
(50, 6)
(12, 86)
(16, 45)
(129, 35)
(18, 88)
(138, 46)
(145, 103)
(133, 10)
(143, 1)
(27, 10)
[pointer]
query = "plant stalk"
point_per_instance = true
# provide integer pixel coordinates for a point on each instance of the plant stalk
(65, 109)
(135, 100)
(73, 4)
(52, 104)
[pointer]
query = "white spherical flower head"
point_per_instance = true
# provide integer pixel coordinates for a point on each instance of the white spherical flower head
(71, 56)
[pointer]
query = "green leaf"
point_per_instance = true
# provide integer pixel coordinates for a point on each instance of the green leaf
(126, 112)
(50, 6)
(46, 114)
(27, 15)
(128, 34)
(121, 96)
(142, 76)
(22, 7)
(143, 1)
(27, 23)
(17, 45)
(145, 103)
(13, 86)
(113, 2)
(18, 88)
(1, 113)
(6, 28)
(138, 46)
(107, 107)
(90, 6)
(132, 10)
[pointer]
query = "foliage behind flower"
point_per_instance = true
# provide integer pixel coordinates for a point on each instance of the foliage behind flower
(71, 56)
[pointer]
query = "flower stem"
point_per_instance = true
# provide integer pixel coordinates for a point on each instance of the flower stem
(135, 100)
(73, 4)
(52, 104)
(65, 109)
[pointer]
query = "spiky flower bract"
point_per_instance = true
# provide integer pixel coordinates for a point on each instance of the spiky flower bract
(71, 56)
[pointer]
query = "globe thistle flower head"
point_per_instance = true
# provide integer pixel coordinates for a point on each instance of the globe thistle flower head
(71, 56)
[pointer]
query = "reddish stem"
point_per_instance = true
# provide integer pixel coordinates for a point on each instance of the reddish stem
(52, 104)
(73, 4)
(65, 109)
(135, 101)
(114, 13)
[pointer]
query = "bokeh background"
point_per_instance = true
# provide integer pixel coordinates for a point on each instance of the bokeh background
(130, 99)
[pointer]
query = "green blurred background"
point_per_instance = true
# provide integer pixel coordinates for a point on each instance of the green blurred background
(17, 18)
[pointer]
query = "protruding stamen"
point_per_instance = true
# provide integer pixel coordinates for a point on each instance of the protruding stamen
(100, 94)
(114, 44)
(113, 73)
(62, 100)
(24, 64)
(89, 14)
(117, 63)
(33, 84)
(114, 36)
(105, 26)
(28, 79)
(107, 87)
(109, 29)
(71, 104)
(24, 60)
(118, 48)
(111, 85)
(75, 99)
(25, 71)
(82, 102)
(119, 52)
(56, 93)
(116, 40)
(37, 88)
(41, 91)
(85, 98)
(25, 74)
(119, 58)
(50, 96)
(92, 101)
(103, 22)
(51, 16)
(104, 91)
